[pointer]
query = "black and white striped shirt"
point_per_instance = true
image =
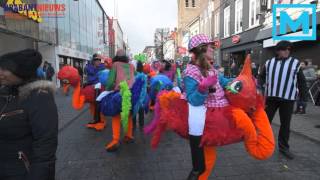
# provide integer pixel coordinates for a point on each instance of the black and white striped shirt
(281, 78)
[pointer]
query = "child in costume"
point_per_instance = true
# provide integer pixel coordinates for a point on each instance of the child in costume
(210, 117)
(140, 108)
(203, 92)
(121, 71)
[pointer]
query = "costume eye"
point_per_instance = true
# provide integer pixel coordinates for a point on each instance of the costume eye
(236, 86)
(65, 81)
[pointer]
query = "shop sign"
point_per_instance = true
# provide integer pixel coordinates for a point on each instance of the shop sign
(72, 53)
(182, 50)
(35, 12)
(28, 10)
(235, 39)
(217, 43)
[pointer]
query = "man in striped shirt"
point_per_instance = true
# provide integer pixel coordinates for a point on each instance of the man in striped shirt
(283, 81)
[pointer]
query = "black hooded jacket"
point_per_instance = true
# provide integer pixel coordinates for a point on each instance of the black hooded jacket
(28, 131)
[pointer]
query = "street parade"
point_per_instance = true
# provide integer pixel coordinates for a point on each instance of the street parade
(228, 90)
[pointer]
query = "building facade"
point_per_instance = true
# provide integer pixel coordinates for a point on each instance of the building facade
(188, 11)
(80, 32)
(161, 36)
(240, 22)
(119, 43)
(301, 49)
(69, 35)
(150, 51)
(246, 28)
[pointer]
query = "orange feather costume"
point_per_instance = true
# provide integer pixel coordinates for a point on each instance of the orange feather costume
(243, 120)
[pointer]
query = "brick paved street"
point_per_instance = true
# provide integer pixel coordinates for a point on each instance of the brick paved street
(305, 124)
(66, 114)
(81, 155)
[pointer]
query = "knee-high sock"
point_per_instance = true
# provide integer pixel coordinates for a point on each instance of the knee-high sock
(210, 159)
(116, 128)
(130, 127)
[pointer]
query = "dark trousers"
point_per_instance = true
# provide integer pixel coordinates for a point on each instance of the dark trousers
(14, 178)
(96, 107)
(285, 111)
(197, 154)
(141, 118)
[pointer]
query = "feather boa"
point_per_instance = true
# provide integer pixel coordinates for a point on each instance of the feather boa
(143, 94)
(138, 90)
(126, 104)
(152, 126)
(146, 103)
(179, 78)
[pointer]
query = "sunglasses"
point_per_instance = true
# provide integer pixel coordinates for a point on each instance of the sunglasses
(284, 49)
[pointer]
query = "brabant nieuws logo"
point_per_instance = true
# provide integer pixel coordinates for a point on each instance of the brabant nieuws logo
(34, 11)
(294, 24)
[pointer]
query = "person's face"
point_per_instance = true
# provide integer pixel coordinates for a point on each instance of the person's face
(162, 65)
(8, 78)
(303, 65)
(96, 63)
(284, 53)
(209, 53)
(221, 70)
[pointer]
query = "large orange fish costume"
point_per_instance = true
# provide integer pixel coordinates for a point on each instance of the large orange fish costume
(244, 119)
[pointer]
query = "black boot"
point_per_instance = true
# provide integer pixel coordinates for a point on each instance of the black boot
(284, 150)
(194, 175)
(287, 153)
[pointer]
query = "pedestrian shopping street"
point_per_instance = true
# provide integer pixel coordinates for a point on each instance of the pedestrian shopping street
(81, 154)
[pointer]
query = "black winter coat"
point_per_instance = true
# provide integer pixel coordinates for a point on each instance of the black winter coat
(28, 132)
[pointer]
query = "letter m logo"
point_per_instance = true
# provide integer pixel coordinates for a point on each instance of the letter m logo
(303, 21)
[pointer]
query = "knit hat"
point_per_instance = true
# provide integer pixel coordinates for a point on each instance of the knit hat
(283, 45)
(198, 40)
(23, 63)
(95, 57)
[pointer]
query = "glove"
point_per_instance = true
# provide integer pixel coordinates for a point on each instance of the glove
(207, 82)
(97, 86)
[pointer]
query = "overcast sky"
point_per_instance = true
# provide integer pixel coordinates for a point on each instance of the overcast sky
(140, 18)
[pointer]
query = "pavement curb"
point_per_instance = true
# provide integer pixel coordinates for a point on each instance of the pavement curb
(300, 134)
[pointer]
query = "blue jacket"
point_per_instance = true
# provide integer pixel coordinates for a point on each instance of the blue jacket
(195, 97)
(92, 73)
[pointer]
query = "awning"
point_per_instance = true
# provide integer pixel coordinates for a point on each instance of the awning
(264, 34)
(242, 47)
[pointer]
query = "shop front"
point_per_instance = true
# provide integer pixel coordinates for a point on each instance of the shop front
(71, 57)
(235, 49)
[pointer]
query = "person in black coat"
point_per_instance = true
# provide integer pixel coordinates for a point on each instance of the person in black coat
(28, 121)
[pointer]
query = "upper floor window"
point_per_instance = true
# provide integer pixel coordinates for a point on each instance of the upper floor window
(254, 10)
(216, 25)
(226, 23)
(211, 6)
(238, 16)
(187, 3)
(193, 3)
